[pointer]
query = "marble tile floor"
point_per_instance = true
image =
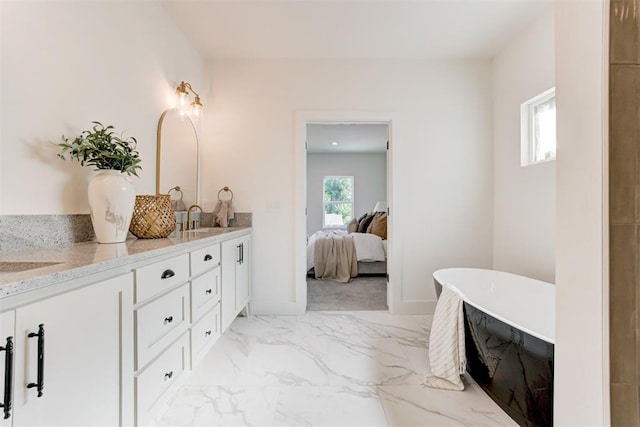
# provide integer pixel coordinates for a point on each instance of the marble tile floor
(361, 368)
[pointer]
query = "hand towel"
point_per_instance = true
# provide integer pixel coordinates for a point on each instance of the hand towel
(222, 213)
(446, 343)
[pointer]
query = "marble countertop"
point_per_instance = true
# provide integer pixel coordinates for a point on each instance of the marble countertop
(65, 262)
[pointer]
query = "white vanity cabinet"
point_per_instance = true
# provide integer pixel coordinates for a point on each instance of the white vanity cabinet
(236, 289)
(109, 347)
(69, 356)
(161, 321)
(205, 300)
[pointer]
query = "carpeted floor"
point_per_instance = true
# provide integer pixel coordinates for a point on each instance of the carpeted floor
(362, 293)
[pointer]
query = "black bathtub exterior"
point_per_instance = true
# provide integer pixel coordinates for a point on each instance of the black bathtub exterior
(514, 368)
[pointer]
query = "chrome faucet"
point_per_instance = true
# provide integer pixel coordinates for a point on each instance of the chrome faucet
(193, 226)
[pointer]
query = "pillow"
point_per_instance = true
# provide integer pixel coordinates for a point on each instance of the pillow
(352, 227)
(378, 225)
(364, 223)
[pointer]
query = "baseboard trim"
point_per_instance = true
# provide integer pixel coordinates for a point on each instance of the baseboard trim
(276, 308)
(414, 307)
(289, 308)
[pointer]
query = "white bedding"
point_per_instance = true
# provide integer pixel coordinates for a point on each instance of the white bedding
(369, 247)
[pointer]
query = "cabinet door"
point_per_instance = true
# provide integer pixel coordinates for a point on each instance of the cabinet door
(242, 275)
(6, 331)
(83, 372)
(228, 262)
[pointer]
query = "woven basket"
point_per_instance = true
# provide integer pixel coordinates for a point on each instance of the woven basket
(153, 217)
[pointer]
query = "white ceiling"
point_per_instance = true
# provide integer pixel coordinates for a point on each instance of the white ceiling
(358, 29)
(351, 138)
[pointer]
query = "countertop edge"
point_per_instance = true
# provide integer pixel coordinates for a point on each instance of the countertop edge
(62, 273)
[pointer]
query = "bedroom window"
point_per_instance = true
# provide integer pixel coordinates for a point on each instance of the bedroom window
(338, 201)
(538, 129)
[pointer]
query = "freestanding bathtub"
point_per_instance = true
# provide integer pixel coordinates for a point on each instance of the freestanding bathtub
(509, 338)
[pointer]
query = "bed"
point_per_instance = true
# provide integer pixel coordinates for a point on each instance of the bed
(370, 251)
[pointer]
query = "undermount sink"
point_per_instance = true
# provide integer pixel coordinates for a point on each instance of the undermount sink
(18, 266)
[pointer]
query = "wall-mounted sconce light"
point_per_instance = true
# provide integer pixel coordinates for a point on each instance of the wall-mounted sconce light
(195, 108)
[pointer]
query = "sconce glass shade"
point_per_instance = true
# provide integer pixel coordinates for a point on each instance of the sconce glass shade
(193, 109)
(196, 108)
(381, 206)
(183, 100)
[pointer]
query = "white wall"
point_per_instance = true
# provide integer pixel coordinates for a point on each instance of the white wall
(524, 223)
(441, 145)
(66, 63)
(581, 392)
(369, 173)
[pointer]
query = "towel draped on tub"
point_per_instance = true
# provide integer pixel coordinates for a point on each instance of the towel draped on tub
(446, 343)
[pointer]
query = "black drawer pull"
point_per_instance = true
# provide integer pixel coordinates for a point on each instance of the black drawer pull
(168, 375)
(40, 335)
(206, 334)
(208, 291)
(208, 257)
(8, 378)
(168, 319)
(167, 274)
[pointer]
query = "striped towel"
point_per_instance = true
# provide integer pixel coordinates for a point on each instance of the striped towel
(446, 343)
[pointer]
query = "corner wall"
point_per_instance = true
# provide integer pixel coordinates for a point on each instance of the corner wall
(67, 63)
(524, 206)
(581, 380)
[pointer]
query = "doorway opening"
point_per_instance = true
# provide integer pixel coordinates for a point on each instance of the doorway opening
(347, 193)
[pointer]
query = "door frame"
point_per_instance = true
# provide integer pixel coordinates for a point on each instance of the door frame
(302, 119)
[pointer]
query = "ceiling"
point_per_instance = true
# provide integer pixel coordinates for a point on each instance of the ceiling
(354, 29)
(351, 138)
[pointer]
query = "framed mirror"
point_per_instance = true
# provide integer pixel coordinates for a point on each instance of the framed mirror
(177, 156)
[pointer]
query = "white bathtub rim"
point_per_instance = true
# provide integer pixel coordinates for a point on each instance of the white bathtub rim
(491, 313)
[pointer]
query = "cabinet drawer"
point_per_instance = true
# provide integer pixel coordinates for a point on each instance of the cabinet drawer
(204, 259)
(205, 293)
(154, 278)
(151, 385)
(160, 322)
(204, 333)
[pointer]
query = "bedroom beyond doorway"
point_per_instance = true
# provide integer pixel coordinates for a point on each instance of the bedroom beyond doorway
(347, 182)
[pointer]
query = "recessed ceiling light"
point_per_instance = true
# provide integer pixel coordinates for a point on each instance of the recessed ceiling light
(334, 143)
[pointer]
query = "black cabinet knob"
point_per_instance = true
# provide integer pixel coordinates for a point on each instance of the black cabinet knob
(168, 319)
(208, 257)
(208, 291)
(206, 334)
(168, 375)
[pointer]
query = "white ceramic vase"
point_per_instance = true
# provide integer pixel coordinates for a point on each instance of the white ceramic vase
(112, 196)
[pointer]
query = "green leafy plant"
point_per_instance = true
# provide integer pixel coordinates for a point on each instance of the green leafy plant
(102, 148)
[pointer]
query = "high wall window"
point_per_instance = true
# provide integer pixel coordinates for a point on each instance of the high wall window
(338, 201)
(538, 128)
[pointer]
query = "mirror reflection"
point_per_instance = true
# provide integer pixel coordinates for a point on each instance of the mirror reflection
(177, 157)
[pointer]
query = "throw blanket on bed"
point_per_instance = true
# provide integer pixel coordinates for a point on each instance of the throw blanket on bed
(446, 343)
(335, 257)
